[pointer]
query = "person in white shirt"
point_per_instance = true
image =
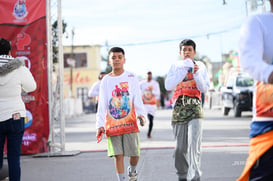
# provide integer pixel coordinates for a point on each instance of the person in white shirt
(150, 96)
(94, 91)
(120, 105)
(188, 78)
(14, 78)
(256, 58)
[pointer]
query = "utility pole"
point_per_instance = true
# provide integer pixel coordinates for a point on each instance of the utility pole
(72, 63)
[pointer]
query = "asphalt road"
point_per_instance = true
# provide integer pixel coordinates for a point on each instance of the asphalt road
(224, 151)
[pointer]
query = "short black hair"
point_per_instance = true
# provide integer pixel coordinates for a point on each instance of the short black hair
(116, 49)
(187, 42)
(100, 75)
(149, 72)
(4, 46)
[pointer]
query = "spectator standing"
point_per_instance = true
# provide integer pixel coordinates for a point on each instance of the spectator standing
(14, 78)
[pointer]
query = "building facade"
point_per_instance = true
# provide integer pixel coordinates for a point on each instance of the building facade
(82, 65)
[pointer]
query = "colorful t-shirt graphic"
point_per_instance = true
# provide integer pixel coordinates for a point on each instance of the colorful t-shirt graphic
(187, 87)
(121, 118)
(119, 103)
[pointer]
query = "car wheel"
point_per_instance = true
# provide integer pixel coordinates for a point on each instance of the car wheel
(225, 110)
(237, 111)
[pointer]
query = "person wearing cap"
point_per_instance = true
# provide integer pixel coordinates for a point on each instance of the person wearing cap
(188, 78)
(256, 58)
(150, 95)
(14, 78)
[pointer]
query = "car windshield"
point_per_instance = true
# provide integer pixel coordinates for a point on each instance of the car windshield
(244, 82)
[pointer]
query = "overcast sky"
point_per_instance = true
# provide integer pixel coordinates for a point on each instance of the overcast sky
(151, 30)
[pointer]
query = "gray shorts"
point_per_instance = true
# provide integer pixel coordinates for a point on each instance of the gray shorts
(127, 145)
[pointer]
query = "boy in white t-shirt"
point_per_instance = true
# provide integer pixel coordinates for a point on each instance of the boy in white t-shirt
(188, 78)
(119, 107)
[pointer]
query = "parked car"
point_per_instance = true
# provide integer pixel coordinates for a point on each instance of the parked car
(237, 94)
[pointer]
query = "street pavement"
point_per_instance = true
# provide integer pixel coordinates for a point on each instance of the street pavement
(224, 151)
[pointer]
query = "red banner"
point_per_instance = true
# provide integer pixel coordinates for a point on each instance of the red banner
(23, 22)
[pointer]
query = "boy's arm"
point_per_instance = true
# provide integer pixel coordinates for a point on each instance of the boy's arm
(201, 78)
(175, 75)
(94, 90)
(156, 90)
(251, 51)
(137, 99)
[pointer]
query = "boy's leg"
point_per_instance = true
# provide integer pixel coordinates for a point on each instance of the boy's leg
(151, 119)
(119, 163)
(115, 149)
(194, 149)
(132, 149)
(180, 131)
(263, 168)
(133, 163)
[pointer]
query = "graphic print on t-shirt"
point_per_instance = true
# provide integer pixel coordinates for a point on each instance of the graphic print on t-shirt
(119, 103)
(186, 87)
(148, 97)
(121, 116)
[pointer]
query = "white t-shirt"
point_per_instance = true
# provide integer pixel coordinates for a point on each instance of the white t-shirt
(119, 97)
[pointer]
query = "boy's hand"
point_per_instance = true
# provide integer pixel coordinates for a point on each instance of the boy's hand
(195, 68)
(99, 134)
(141, 120)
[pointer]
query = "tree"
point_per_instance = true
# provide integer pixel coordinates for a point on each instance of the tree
(55, 38)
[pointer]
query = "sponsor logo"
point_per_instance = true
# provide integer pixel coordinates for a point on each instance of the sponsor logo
(27, 98)
(20, 10)
(28, 138)
(22, 40)
(28, 119)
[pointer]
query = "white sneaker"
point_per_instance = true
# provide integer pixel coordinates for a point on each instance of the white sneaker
(132, 176)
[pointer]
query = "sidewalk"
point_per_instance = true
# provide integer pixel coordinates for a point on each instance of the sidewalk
(221, 161)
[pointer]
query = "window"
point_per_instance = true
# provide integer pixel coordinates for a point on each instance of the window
(80, 59)
(244, 82)
(82, 92)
